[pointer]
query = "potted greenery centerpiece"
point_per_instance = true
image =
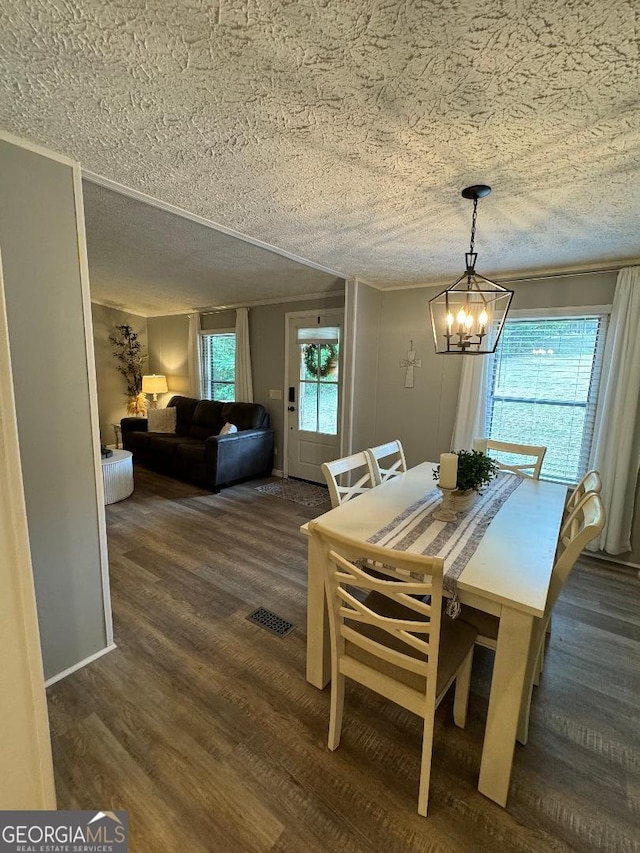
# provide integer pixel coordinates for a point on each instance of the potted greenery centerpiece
(128, 350)
(475, 470)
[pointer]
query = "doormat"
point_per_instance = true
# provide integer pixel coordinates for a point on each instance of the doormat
(298, 491)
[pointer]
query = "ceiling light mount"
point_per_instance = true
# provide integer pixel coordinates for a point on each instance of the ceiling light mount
(467, 318)
(476, 191)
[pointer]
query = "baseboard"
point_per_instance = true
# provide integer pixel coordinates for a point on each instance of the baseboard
(276, 473)
(78, 665)
(606, 558)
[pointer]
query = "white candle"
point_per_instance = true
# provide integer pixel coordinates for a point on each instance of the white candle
(480, 444)
(448, 470)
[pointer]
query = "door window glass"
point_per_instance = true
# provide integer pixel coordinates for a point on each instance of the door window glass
(318, 388)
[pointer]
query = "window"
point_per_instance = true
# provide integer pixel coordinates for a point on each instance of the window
(318, 379)
(543, 387)
(218, 364)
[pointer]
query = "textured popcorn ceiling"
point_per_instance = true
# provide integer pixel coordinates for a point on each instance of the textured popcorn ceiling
(344, 131)
(153, 262)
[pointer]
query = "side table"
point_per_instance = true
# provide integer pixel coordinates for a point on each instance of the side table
(118, 433)
(117, 476)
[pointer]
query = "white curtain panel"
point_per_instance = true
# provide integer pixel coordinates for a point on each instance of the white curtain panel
(471, 413)
(616, 447)
(195, 369)
(244, 380)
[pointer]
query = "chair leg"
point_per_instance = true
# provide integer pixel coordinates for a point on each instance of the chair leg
(461, 698)
(539, 667)
(533, 664)
(425, 765)
(522, 735)
(337, 707)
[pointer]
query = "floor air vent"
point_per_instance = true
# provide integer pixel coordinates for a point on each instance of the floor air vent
(267, 619)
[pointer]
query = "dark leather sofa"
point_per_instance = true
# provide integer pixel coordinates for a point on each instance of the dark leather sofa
(196, 452)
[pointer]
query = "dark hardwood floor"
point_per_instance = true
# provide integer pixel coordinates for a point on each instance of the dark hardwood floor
(203, 727)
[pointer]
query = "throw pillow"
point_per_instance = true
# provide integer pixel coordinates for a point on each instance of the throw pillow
(162, 420)
(227, 428)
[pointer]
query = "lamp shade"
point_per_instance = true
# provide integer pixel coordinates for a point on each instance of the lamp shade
(156, 383)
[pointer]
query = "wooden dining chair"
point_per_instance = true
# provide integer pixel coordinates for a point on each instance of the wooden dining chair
(591, 482)
(529, 467)
(385, 636)
(583, 525)
(387, 460)
(356, 468)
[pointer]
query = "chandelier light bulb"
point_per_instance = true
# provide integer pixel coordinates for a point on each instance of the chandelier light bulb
(450, 320)
(461, 317)
(483, 318)
(469, 321)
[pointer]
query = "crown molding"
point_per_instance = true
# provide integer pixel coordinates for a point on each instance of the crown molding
(107, 183)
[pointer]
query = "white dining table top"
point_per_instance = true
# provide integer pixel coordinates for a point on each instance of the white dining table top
(513, 562)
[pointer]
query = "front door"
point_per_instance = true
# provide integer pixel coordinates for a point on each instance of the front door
(313, 393)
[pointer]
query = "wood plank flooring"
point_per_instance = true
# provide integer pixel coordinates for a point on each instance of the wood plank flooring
(203, 727)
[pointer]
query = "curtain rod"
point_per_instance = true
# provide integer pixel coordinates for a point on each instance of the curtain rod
(216, 311)
(566, 273)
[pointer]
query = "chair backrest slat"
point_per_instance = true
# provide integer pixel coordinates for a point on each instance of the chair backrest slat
(357, 466)
(387, 460)
(392, 656)
(530, 467)
(591, 482)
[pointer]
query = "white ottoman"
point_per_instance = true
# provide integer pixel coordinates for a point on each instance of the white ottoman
(117, 476)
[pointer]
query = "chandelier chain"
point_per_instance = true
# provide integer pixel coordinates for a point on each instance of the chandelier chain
(473, 224)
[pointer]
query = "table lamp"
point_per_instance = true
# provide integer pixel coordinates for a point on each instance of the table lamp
(154, 384)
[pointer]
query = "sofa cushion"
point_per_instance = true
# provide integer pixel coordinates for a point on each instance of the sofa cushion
(207, 419)
(192, 449)
(138, 440)
(244, 415)
(185, 407)
(163, 443)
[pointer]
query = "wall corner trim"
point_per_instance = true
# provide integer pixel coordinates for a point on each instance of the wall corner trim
(79, 665)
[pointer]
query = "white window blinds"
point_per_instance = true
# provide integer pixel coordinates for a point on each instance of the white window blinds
(318, 335)
(543, 389)
(217, 359)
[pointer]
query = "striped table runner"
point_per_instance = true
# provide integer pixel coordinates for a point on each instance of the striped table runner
(455, 541)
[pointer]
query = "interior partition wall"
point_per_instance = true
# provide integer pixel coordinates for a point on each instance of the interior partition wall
(52, 361)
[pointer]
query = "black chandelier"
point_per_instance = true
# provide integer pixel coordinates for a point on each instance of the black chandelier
(467, 318)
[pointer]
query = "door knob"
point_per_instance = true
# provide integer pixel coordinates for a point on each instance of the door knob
(292, 408)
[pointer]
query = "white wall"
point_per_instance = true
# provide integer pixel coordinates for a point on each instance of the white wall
(367, 305)
(26, 780)
(54, 385)
(422, 416)
(168, 342)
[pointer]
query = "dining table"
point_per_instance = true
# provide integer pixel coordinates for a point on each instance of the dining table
(507, 575)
